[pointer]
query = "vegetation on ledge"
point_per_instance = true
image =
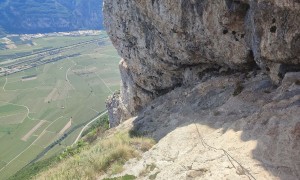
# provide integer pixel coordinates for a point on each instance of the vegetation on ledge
(96, 154)
(96, 130)
(107, 156)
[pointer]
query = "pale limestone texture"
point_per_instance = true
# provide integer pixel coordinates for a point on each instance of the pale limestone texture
(169, 43)
(218, 130)
(214, 82)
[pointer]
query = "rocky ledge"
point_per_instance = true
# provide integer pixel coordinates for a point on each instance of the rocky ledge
(227, 127)
(170, 43)
(222, 77)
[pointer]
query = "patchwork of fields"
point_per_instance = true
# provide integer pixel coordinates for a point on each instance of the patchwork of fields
(40, 105)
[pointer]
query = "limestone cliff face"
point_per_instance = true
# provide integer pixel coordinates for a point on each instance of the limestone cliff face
(213, 131)
(214, 82)
(170, 43)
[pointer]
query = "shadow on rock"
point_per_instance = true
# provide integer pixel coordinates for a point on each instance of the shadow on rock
(251, 128)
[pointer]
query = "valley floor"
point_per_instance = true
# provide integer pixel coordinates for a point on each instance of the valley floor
(44, 108)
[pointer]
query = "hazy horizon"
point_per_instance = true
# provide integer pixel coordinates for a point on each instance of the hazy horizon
(46, 16)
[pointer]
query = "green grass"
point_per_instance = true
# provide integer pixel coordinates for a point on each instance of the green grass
(126, 177)
(29, 171)
(102, 124)
(58, 125)
(30, 154)
(107, 156)
(2, 164)
(77, 103)
(20, 85)
(12, 114)
(45, 139)
(16, 165)
(10, 109)
(13, 118)
(97, 130)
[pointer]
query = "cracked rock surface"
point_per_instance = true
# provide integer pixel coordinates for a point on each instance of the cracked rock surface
(170, 43)
(212, 130)
(216, 83)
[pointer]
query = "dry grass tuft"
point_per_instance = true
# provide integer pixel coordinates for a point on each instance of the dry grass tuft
(106, 157)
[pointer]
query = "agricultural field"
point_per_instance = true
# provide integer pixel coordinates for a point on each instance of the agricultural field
(52, 102)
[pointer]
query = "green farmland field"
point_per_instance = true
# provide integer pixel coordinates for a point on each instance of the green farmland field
(59, 96)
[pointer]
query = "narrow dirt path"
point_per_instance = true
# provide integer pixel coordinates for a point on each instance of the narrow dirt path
(104, 83)
(93, 120)
(4, 85)
(67, 79)
(28, 111)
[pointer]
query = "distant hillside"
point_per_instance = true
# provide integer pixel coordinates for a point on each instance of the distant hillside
(40, 16)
